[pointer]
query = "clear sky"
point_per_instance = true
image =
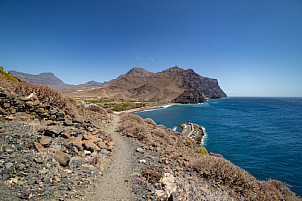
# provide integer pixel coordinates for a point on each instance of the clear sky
(253, 48)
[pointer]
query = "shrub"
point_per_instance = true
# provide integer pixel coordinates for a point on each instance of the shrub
(136, 130)
(150, 121)
(245, 185)
(189, 143)
(153, 173)
(201, 151)
(7, 76)
(160, 133)
(129, 117)
(97, 108)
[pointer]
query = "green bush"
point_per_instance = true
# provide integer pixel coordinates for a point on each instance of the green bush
(201, 151)
(7, 76)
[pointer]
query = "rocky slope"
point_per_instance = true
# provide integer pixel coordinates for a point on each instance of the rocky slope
(51, 80)
(174, 84)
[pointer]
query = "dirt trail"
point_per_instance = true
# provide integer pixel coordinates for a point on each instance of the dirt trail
(114, 184)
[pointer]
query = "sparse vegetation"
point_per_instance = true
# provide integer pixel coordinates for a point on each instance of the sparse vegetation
(120, 104)
(202, 151)
(45, 94)
(7, 76)
(214, 168)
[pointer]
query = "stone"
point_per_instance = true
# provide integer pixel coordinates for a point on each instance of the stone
(8, 165)
(90, 146)
(39, 147)
(53, 130)
(90, 137)
(31, 96)
(66, 135)
(142, 161)
(60, 116)
(76, 162)
(57, 179)
(2, 112)
(29, 103)
(45, 140)
(173, 197)
(13, 110)
(36, 102)
(140, 150)
(43, 171)
(102, 145)
(68, 123)
(76, 141)
(62, 158)
(6, 105)
(40, 110)
(14, 180)
(111, 143)
(87, 152)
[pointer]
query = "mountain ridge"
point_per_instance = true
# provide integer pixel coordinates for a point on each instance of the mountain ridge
(171, 85)
(49, 79)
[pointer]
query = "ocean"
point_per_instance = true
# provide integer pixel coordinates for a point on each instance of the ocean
(260, 135)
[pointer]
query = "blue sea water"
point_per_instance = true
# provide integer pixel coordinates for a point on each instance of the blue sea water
(260, 135)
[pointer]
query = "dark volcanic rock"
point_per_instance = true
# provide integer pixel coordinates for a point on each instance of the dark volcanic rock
(191, 96)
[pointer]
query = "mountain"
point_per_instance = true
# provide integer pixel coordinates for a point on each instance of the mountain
(174, 84)
(140, 72)
(51, 80)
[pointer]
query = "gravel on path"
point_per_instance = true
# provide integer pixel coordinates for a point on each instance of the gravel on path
(115, 185)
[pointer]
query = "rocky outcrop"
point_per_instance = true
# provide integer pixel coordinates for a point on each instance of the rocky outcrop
(190, 96)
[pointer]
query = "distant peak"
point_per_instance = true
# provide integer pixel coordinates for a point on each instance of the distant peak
(139, 72)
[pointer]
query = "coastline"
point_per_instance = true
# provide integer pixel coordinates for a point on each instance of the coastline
(147, 108)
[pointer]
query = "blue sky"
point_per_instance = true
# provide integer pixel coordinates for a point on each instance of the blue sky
(253, 48)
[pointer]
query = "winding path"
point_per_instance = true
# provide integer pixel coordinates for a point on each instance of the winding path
(114, 184)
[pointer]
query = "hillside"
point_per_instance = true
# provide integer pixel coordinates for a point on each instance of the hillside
(50, 79)
(174, 84)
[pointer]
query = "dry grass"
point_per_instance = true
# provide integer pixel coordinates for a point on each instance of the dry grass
(160, 133)
(150, 121)
(97, 109)
(222, 171)
(153, 173)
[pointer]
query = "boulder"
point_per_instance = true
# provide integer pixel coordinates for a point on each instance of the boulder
(62, 158)
(90, 146)
(31, 96)
(53, 130)
(45, 140)
(90, 137)
(6, 105)
(102, 145)
(39, 147)
(76, 141)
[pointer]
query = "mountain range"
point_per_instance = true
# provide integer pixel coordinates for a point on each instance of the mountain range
(51, 80)
(173, 84)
